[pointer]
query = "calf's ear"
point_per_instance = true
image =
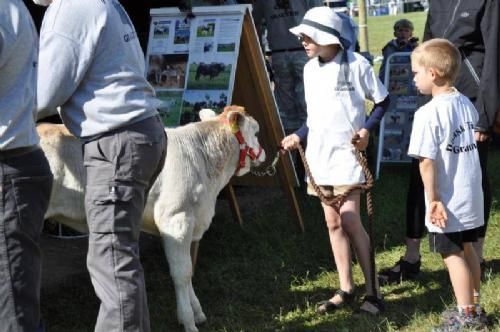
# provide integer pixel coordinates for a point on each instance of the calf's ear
(235, 114)
(206, 114)
(235, 120)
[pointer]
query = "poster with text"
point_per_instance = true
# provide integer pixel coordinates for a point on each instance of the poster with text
(191, 63)
(169, 36)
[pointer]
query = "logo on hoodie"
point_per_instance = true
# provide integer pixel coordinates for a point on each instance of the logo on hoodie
(285, 8)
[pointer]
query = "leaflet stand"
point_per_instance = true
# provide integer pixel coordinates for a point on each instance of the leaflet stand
(395, 127)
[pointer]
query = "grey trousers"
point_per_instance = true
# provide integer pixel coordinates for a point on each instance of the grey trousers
(289, 90)
(26, 183)
(121, 167)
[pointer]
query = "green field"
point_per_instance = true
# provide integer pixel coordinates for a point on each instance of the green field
(267, 276)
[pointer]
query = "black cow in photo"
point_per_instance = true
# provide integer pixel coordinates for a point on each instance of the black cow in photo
(211, 70)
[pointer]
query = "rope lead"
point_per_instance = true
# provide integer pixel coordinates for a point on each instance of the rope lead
(337, 201)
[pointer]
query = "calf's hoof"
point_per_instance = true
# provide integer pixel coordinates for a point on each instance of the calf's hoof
(190, 328)
(200, 318)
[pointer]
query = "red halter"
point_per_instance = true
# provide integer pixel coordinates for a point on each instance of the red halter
(245, 150)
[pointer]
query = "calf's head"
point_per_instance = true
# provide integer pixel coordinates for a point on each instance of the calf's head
(245, 129)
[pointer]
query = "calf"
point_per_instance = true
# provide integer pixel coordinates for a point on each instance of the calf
(201, 159)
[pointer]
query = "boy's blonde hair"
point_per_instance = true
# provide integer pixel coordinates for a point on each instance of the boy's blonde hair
(440, 55)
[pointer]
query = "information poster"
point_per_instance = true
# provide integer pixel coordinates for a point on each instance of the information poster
(395, 128)
(191, 62)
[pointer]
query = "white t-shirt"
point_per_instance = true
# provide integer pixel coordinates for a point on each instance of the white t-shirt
(335, 111)
(443, 130)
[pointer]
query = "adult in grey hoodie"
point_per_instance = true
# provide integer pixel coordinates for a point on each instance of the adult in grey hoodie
(91, 67)
(287, 54)
(25, 177)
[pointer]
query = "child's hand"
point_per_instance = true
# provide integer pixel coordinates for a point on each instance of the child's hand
(360, 139)
(437, 214)
(290, 142)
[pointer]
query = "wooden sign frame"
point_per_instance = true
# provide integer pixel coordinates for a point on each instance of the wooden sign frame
(252, 89)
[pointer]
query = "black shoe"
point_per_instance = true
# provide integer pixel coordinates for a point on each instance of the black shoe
(328, 306)
(405, 271)
(485, 270)
(372, 305)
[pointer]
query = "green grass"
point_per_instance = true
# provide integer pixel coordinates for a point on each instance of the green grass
(266, 276)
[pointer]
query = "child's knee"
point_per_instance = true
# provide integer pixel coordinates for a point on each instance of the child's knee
(350, 222)
(333, 223)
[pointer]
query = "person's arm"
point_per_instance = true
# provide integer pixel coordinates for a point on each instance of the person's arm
(361, 138)
(302, 132)
(488, 99)
(437, 211)
(292, 141)
(6, 40)
(427, 28)
(258, 18)
(62, 63)
(377, 113)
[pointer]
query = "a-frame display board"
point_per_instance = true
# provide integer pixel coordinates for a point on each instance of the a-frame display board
(211, 59)
(395, 128)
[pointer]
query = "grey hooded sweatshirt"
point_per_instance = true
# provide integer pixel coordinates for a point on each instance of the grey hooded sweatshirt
(92, 66)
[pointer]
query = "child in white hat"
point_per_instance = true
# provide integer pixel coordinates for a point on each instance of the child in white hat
(336, 83)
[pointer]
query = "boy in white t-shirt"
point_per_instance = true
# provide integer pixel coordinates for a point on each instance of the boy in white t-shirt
(336, 84)
(442, 139)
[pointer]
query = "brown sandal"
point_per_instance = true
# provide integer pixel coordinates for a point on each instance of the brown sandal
(328, 306)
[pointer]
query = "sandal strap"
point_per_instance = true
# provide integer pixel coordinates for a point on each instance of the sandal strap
(345, 296)
(376, 302)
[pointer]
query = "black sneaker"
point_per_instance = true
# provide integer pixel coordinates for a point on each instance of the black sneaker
(486, 270)
(402, 270)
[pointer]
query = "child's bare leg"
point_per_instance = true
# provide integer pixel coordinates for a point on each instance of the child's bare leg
(341, 250)
(351, 224)
(478, 246)
(412, 253)
(460, 277)
(472, 260)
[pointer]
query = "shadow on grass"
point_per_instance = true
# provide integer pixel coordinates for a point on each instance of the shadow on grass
(401, 305)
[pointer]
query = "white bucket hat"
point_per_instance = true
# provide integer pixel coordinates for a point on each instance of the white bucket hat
(323, 26)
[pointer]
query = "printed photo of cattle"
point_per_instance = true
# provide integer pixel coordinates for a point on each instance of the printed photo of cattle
(194, 101)
(229, 47)
(167, 71)
(209, 76)
(181, 33)
(170, 108)
(206, 28)
(161, 29)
